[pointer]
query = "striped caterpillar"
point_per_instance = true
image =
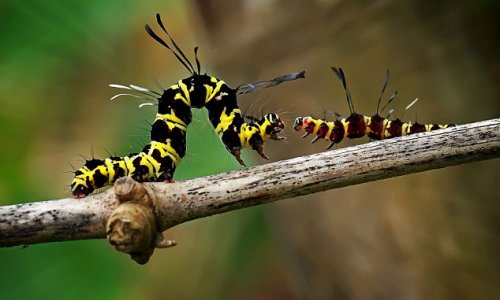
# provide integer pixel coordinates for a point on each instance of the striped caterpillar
(159, 159)
(356, 125)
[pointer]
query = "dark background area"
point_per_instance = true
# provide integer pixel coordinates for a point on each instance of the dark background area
(429, 235)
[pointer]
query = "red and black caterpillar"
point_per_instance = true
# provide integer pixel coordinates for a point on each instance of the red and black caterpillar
(159, 159)
(356, 125)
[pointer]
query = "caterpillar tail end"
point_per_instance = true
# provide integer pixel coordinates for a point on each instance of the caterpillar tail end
(80, 191)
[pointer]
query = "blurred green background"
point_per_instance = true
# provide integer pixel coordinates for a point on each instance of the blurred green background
(428, 235)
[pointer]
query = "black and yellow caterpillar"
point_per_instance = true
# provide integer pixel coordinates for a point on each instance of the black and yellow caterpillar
(159, 159)
(357, 125)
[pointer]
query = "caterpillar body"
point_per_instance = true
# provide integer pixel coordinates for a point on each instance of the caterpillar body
(159, 159)
(357, 125)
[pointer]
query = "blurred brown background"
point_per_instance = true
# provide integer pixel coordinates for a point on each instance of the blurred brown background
(430, 235)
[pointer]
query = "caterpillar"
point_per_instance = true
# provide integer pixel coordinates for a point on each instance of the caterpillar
(357, 125)
(159, 159)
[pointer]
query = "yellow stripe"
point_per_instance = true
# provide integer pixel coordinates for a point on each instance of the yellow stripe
(154, 163)
(246, 132)
(405, 129)
(316, 125)
(330, 129)
(345, 124)
(179, 96)
(385, 123)
(122, 165)
(263, 128)
(129, 166)
(185, 91)
(243, 138)
(172, 121)
(151, 163)
(226, 120)
(111, 171)
(166, 150)
(386, 129)
(80, 181)
(367, 123)
(103, 170)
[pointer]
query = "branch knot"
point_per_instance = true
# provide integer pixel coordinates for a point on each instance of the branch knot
(133, 226)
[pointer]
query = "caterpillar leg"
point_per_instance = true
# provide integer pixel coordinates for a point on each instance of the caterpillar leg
(167, 177)
(260, 150)
(315, 139)
(257, 143)
(330, 146)
(167, 170)
(236, 152)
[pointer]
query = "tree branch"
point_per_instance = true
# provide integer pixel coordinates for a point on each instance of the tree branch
(70, 219)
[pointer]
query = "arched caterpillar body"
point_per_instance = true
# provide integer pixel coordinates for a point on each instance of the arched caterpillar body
(357, 125)
(159, 159)
(200, 91)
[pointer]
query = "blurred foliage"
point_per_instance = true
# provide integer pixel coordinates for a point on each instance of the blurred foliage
(56, 60)
(432, 233)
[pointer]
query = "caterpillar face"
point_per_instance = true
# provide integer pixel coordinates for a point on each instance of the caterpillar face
(308, 124)
(297, 125)
(272, 125)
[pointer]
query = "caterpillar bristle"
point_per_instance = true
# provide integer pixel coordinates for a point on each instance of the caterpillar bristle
(119, 86)
(120, 95)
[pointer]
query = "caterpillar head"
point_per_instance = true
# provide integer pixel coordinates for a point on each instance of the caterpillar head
(300, 123)
(274, 125)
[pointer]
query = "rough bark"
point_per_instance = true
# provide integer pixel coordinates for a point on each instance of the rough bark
(71, 219)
